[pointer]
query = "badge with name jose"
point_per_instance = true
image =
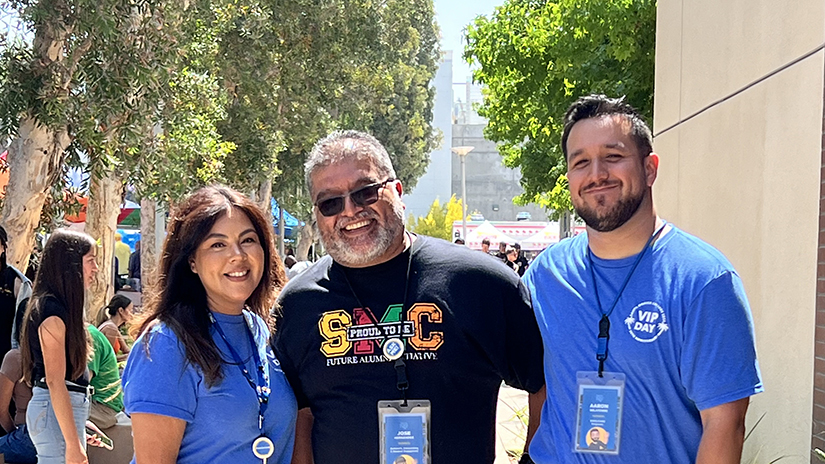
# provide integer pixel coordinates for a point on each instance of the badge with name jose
(263, 448)
(393, 349)
(599, 418)
(404, 430)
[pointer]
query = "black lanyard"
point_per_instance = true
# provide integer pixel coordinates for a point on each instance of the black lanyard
(261, 388)
(604, 322)
(402, 383)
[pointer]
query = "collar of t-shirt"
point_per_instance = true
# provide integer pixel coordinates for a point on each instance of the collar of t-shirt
(381, 285)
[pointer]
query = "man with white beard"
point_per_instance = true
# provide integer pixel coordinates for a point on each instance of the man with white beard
(396, 344)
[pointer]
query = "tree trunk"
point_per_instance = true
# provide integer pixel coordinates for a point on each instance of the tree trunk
(105, 198)
(35, 158)
(262, 196)
(305, 240)
(281, 230)
(148, 244)
(566, 225)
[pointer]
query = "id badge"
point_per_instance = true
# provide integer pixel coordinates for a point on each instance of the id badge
(599, 418)
(404, 432)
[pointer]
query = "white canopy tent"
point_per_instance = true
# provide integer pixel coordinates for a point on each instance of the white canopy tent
(489, 231)
(548, 236)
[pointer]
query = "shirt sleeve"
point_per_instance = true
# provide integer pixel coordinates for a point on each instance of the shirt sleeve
(94, 360)
(718, 361)
(525, 354)
(285, 348)
(52, 307)
(286, 343)
(160, 381)
(12, 367)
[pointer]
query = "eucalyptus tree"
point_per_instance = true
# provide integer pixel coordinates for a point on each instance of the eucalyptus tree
(73, 82)
(92, 83)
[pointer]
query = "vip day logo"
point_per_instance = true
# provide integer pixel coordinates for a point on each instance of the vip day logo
(646, 322)
(358, 338)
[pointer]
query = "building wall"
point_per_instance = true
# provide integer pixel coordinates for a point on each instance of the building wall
(491, 186)
(435, 183)
(745, 176)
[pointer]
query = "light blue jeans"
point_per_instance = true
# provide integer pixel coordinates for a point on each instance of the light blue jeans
(44, 429)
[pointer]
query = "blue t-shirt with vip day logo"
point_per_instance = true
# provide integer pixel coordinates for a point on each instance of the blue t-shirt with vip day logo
(681, 333)
(222, 420)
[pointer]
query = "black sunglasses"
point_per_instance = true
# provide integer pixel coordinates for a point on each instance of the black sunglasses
(362, 196)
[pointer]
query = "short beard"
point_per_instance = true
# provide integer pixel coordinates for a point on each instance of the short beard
(337, 246)
(615, 217)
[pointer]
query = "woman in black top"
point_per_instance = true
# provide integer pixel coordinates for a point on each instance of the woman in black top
(55, 349)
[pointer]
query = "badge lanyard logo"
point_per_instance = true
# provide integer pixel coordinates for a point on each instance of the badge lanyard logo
(262, 447)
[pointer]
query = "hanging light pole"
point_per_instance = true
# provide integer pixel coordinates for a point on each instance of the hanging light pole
(462, 154)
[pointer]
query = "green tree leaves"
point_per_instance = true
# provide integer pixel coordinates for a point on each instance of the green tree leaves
(173, 94)
(439, 220)
(535, 57)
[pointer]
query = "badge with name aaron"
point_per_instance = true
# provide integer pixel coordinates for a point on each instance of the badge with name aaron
(599, 418)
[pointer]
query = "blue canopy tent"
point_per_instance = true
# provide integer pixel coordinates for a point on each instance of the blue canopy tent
(290, 221)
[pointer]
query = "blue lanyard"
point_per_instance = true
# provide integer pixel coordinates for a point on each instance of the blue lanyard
(261, 388)
(604, 322)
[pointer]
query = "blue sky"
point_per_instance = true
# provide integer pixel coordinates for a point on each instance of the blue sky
(452, 17)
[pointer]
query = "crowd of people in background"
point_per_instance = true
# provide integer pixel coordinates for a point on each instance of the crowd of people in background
(510, 254)
(388, 325)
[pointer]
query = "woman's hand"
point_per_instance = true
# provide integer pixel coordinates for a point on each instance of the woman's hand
(94, 439)
(75, 454)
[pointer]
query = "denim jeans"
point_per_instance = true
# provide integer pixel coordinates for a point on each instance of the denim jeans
(16, 446)
(45, 431)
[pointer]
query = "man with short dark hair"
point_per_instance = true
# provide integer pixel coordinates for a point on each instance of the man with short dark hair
(502, 251)
(134, 267)
(596, 442)
(521, 261)
(647, 330)
(485, 245)
(390, 319)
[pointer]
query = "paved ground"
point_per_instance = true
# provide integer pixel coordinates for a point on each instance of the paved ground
(511, 427)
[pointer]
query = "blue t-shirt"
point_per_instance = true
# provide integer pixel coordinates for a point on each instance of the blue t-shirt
(221, 421)
(681, 332)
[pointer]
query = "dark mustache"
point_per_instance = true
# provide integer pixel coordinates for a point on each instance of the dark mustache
(606, 183)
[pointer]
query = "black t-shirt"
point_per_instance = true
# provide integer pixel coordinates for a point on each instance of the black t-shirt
(8, 305)
(49, 306)
(523, 264)
(468, 325)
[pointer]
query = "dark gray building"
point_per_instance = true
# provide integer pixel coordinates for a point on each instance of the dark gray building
(491, 186)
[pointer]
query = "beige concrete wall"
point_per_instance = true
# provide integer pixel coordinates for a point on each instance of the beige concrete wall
(745, 176)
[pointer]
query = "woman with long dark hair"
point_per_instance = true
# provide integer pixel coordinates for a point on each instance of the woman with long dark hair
(54, 348)
(201, 383)
(119, 312)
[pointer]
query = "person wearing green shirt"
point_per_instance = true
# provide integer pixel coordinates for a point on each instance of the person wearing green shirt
(107, 399)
